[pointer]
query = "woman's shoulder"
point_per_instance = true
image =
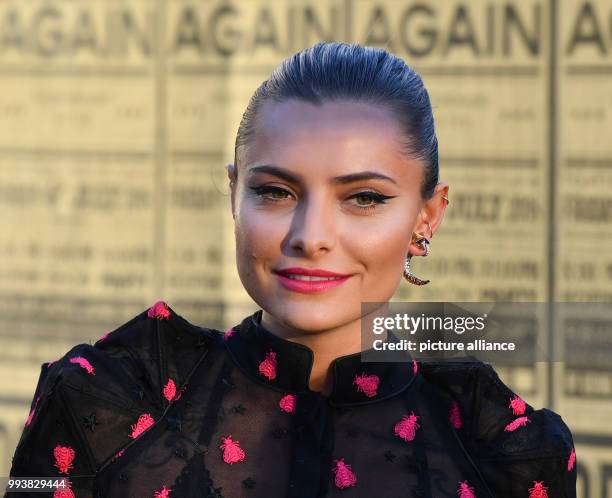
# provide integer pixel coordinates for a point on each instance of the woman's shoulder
(511, 441)
(155, 341)
(90, 401)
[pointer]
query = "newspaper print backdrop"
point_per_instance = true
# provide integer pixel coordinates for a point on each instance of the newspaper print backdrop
(116, 119)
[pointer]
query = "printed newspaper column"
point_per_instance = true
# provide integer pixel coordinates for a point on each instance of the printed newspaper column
(583, 382)
(77, 186)
(484, 64)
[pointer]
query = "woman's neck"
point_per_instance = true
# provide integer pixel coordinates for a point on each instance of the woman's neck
(327, 345)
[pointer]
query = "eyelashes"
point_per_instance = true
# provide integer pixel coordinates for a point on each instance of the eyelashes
(270, 193)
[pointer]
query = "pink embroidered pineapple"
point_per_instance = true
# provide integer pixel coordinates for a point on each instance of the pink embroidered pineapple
(345, 477)
(287, 403)
(515, 424)
(170, 390)
(367, 384)
(267, 367)
(232, 452)
(415, 367)
(31, 415)
(407, 426)
(64, 456)
(571, 460)
(455, 416)
(164, 492)
(518, 405)
(538, 490)
(228, 333)
(159, 310)
(465, 490)
(143, 423)
(83, 363)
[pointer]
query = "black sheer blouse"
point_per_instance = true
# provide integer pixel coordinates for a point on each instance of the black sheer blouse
(162, 408)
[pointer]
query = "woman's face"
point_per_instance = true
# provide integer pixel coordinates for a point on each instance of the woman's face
(326, 188)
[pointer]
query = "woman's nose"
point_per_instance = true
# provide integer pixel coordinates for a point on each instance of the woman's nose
(313, 227)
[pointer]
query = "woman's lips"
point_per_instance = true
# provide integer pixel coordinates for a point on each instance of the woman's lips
(310, 286)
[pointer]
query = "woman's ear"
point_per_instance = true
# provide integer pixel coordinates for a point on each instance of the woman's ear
(431, 215)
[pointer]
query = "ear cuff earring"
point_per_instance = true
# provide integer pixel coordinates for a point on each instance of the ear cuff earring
(422, 241)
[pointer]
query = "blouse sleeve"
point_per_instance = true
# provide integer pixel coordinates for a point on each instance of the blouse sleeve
(51, 444)
(523, 452)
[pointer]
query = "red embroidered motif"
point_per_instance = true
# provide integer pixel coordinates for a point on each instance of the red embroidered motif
(367, 384)
(407, 426)
(64, 492)
(144, 422)
(345, 477)
(465, 490)
(267, 367)
(287, 403)
(455, 416)
(64, 456)
(31, 415)
(571, 460)
(515, 424)
(518, 405)
(415, 367)
(83, 363)
(170, 390)
(159, 310)
(164, 492)
(538, 490)
(228, 333)
(232, 452)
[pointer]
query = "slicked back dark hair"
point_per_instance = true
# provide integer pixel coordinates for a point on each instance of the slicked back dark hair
(351, 72)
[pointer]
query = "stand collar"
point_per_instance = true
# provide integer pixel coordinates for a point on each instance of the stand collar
(286, 365)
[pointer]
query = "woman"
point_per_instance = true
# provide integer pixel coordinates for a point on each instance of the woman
(334, 188)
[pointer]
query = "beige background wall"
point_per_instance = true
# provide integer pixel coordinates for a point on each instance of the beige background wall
(117, 117)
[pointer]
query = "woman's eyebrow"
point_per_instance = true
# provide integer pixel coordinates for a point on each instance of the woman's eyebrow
(338, 180)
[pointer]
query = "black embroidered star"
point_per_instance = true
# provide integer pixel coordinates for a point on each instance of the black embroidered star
(179, 337)
(90, 422)
(122, 477)
(201, 342)
(174, 423)
(238, 409)
(180, 452)
(248, 483)
(138, 392)
(389, 456)
(214, 492)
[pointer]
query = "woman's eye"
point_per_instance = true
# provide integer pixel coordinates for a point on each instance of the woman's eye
(364, 200)
(271, 193)
(369, 200)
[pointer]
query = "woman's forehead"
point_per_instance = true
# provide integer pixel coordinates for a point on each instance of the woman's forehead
(331, 139)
